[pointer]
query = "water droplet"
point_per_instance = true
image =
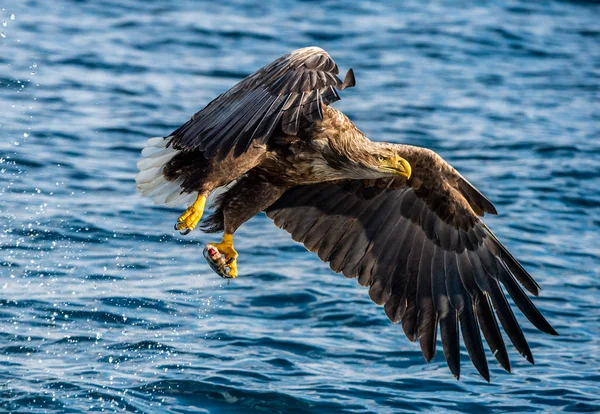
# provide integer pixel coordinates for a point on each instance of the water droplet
(12, 16)
(2, 34)
(25, 134)
(34, 65)
(4, 23)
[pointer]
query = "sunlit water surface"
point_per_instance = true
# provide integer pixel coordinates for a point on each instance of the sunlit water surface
(104, 307)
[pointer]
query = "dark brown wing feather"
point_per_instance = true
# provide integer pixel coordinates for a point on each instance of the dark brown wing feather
(283, 93)
(424, 254)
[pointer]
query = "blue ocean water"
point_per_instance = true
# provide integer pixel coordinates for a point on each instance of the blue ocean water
(103, 307)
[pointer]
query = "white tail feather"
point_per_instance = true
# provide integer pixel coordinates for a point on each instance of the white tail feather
(177, 198)
(149, 175)
(146, 185)
(153, 152)
(173, 189)
(150, 162)
(150, 190)
(150, 180)
(157, 142)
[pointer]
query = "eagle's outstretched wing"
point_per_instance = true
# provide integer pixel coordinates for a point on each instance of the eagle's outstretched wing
(282, 93)
(425, 254)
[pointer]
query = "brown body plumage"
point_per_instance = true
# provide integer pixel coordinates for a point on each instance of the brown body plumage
(397, 217)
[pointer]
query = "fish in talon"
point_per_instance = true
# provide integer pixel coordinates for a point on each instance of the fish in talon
(217, 261)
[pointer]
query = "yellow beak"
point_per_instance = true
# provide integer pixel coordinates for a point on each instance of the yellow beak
(402, 167)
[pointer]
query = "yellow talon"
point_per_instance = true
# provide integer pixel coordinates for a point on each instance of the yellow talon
(226, 249)
(233, 269)
(191, 217)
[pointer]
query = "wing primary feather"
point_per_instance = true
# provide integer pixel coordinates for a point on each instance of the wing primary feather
(489, 283)
(475, 198)
(513, 264)
(447, 316)
(468, 321)
(509, 322)
(525, 304)
(520, 273)
(409, 320)
(491, 330)
(391, 308)
(485, 315)
(426, 316)
(472, 339)
(454, 286)
(466, 273)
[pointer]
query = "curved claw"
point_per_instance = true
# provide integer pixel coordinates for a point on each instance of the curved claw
(190, 217)
(184, 232)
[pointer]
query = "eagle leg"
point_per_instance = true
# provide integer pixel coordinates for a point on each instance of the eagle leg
(190, 218)
(226, 248)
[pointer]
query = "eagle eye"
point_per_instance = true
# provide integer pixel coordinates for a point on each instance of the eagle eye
(380, 158)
